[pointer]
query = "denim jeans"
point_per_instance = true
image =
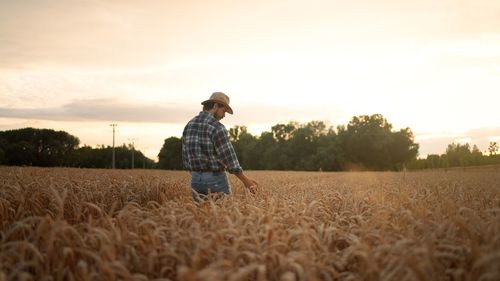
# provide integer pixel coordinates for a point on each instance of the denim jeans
(203, 183)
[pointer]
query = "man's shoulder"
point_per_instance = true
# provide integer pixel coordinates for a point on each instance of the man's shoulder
(190, 123)
(211, 121)
(200, 118)
(221, 126)
(204, 120)
(217, 125)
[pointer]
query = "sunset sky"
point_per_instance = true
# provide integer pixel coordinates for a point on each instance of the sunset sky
(78, 66)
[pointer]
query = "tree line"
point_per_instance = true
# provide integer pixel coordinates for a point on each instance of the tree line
(459, 155)
(50, 148)
(365, 143)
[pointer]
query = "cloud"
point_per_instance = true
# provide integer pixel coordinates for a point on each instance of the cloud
(101, 110)
(483, 133)
(114, 110)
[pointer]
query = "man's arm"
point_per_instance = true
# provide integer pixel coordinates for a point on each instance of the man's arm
(229, 159)
(225, 151)
(248, 182)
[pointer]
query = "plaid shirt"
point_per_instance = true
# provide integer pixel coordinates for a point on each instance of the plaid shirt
(206, 146)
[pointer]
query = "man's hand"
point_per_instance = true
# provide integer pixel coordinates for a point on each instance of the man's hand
(249, 183)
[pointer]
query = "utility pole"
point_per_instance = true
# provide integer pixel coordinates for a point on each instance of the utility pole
(132, 151)
(113, 161)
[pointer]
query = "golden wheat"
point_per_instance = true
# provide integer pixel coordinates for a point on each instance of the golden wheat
(83, 224)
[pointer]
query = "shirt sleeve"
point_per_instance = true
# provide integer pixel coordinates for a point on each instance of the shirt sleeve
(225, 151)
(185, 162)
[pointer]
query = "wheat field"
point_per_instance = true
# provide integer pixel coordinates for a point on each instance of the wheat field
(84, 224)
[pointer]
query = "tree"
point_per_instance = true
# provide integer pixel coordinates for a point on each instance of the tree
(100, 157)
(493, 148)
(37, 147)
(234, 137)
(368, 142)
(433, 161)
(269, 153)
(3, 159)
(236, 132)
(329, 155)
(402, 149)
(170, 156)
(318, 129)
(244, 145)
(54, 147)
(458, 155)
(302, 148)
(282, 132)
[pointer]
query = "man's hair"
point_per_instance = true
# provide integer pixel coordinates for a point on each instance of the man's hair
(210, 104)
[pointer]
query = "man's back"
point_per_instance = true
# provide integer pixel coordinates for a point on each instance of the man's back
(199, 153)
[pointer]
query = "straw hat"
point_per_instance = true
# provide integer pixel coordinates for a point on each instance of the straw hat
(220, 97)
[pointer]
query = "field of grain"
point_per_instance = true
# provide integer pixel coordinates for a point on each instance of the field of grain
(72, 224)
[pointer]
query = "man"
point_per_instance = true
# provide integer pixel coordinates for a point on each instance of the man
(207, 152)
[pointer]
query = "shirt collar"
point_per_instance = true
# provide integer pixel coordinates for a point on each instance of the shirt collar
(206, 114)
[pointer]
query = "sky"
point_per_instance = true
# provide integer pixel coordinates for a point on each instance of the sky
(78, 66)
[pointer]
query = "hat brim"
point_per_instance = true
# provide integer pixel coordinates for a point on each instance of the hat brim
(229, 109)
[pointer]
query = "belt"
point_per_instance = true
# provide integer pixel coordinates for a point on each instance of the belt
(208, 171)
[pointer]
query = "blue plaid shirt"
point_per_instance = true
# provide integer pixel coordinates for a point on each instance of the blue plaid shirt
(206, 146)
